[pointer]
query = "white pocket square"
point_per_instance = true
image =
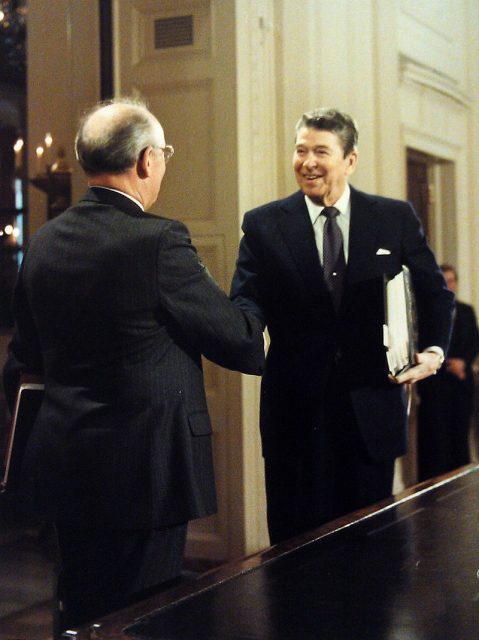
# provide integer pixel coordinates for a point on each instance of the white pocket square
(383, 252)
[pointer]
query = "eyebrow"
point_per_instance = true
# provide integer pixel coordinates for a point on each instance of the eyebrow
(316, 146)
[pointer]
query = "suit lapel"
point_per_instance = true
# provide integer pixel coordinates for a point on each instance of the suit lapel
(298, 234)
(363, 230)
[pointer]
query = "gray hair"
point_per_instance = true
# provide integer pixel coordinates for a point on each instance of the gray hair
(335, 121)
(115, 145)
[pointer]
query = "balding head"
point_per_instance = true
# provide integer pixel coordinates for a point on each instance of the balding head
(113, 134)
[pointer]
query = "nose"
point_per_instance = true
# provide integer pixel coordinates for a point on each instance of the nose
(310, 160)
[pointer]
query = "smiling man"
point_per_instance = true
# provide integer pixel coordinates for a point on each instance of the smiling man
(311, 267)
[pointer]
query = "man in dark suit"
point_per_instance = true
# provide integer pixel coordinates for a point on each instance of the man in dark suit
(114, 309)
(332, 423)
(446, 401)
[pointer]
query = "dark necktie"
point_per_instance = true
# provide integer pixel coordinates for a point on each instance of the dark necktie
(334, 264)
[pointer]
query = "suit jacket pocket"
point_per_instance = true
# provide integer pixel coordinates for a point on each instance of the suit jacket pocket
(200, 424)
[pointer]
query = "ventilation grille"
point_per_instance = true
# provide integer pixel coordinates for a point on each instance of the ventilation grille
(173, 32)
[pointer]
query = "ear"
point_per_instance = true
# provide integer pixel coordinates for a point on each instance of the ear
(352, 161)
(144, 163)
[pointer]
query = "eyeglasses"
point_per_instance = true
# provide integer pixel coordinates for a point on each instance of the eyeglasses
(168, 152)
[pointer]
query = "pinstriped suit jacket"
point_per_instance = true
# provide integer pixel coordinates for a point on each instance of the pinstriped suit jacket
(114, 308)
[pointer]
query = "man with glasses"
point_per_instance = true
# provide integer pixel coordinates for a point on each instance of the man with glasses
(114, 309)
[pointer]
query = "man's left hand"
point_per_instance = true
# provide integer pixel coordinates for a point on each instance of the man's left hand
(428, 363)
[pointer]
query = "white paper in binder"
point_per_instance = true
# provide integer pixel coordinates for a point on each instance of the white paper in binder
(399, 329)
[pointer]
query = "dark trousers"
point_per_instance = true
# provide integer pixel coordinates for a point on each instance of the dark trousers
(103, 570)
(331, 475)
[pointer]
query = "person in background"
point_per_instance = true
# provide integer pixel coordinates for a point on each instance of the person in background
(446, 400)
(114, 309)
(312, 267)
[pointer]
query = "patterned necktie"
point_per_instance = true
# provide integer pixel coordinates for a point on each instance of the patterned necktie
(334, 264)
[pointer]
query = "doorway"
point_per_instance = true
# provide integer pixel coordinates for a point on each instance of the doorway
(431, 190)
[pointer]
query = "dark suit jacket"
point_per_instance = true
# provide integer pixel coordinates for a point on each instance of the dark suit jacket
(279, 277)
(114, 308)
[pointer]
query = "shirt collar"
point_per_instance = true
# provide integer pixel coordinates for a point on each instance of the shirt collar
(343, 204)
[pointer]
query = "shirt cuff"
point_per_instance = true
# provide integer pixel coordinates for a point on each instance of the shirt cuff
(437, 350)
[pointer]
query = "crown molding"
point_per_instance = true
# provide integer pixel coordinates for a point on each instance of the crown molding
(431, 79)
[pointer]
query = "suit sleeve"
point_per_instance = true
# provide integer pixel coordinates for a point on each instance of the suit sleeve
(435, 303)
(472, 348)
(200, 312)
(246, 283)
(465, 335)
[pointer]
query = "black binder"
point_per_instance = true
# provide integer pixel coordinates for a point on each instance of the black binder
(400, 322)
(28, 401)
